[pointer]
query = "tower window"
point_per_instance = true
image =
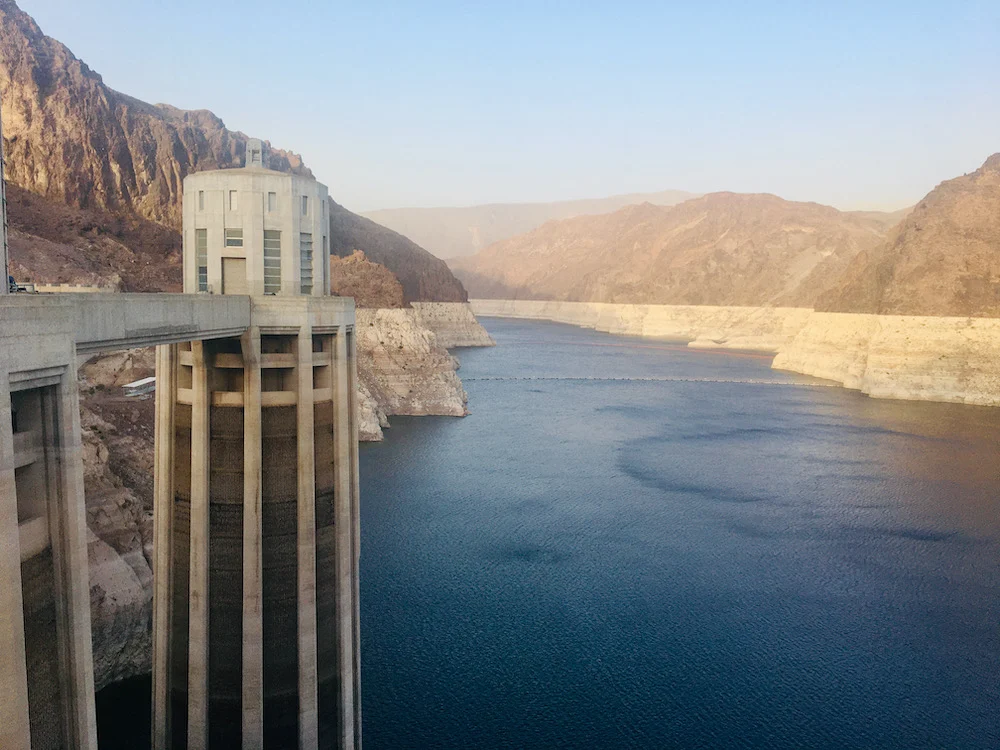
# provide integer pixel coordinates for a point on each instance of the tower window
(201, 200)
(201, 257)
(324, 264)
(306, 263)
(234, 202)
(305, 205)
(272, 261)
(272, 202)
(234, 238)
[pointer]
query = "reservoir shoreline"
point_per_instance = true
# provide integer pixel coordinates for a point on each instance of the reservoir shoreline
(918, 358)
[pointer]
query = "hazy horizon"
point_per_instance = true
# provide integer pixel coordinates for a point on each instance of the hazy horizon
(444, 105)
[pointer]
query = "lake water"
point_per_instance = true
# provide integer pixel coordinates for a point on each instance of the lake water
(607, 563)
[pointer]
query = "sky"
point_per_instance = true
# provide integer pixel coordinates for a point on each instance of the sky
(860, 105)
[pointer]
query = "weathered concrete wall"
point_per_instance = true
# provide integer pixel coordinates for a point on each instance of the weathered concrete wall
(207, 205)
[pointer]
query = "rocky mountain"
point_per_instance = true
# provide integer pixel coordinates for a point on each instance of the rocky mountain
(719, 249)
(61, 244)
(943, 259)
(422, 276)
(102, 175)
(457, 232)
(371, 284)
(71, 138)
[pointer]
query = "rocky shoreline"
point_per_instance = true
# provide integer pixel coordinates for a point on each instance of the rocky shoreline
(950, 359)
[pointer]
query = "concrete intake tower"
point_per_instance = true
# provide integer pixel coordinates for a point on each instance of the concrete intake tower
(256, 482)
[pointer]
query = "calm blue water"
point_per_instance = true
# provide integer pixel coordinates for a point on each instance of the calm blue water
(632, 564)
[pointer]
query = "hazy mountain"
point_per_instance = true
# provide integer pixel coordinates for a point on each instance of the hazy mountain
(103, 175)
(422, 276)
(456, 232)
(719, 249)
(943, 259)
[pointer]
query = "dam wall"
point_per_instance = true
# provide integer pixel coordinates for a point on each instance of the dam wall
(922, 358)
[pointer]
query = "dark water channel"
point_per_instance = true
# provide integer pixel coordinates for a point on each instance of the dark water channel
(636, 564)
(721, 557)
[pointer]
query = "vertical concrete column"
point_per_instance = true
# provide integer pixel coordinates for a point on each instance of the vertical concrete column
(352, 402)
(69, 543)
(344, 524)
(198, 597)
(14, 730)
(308, 670)
(163, 541)
(253, 609)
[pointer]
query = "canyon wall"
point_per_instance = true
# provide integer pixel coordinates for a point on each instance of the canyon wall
(924, 358)
(453, 323)
(759, 328)
(402, 370)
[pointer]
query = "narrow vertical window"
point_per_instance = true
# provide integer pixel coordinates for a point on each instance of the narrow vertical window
(201, 200)
(234, 238)
(201, 257)
(306, 263)
(305, 205)
(234, 203)
(325, 264)
(272, 202)
(272, 261)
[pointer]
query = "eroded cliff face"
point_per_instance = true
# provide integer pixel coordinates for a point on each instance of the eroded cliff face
(453, 323)
(71, 138)
(757, 328)
(952, 359)
(404, 369)
(118, 470)
(943, 259)
(901, 356)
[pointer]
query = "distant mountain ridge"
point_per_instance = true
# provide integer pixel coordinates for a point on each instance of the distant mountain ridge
(460, 231)
(102, 177)
(718, 249)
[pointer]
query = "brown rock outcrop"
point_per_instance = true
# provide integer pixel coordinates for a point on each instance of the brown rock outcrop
(371, 284)
(422, 276)
(54, 243)
(943, 259)
(71, 138)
